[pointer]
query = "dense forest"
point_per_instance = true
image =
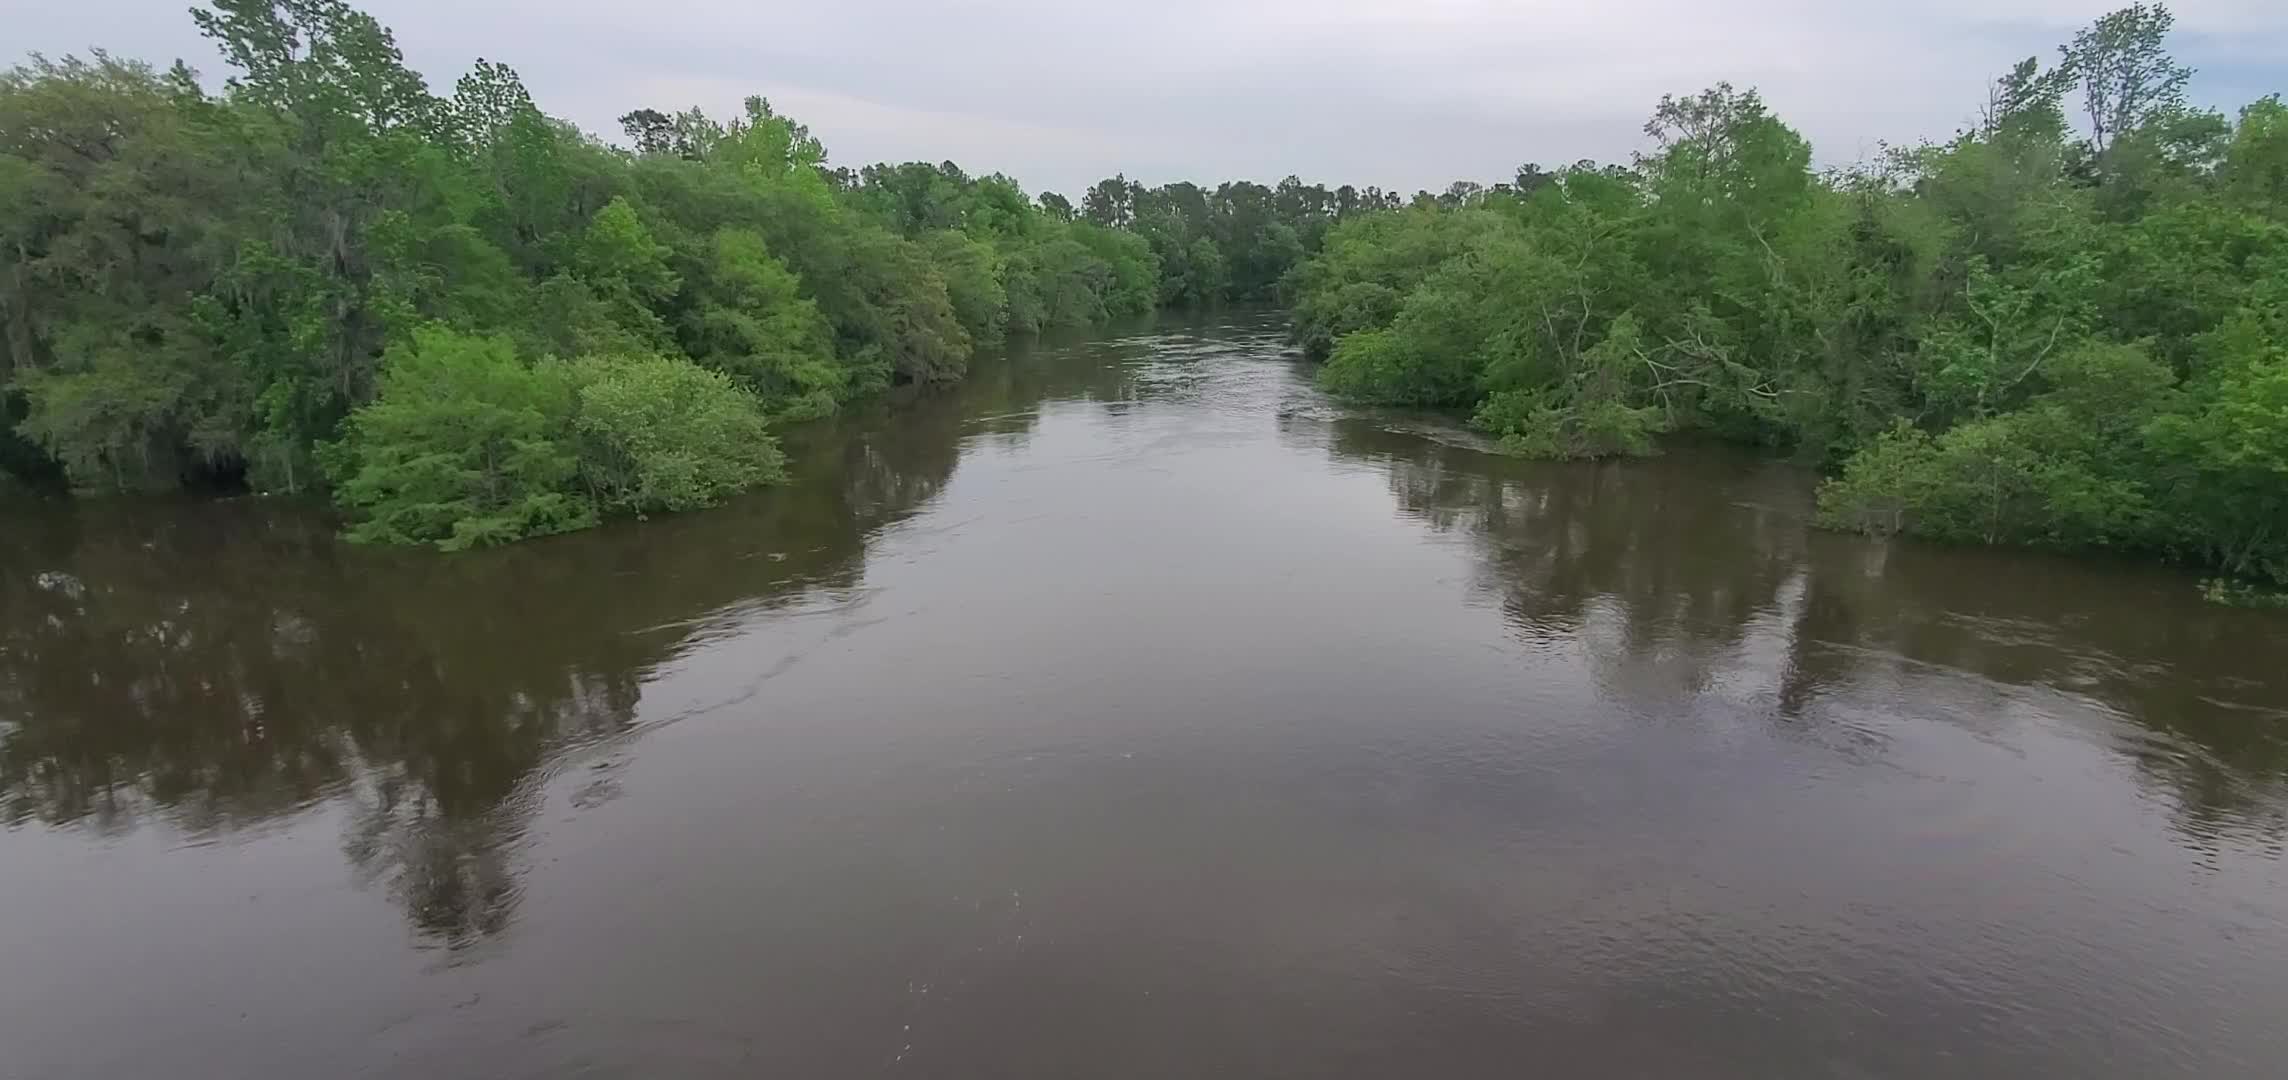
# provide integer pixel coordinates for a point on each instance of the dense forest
(466, 322)
(2067, 326)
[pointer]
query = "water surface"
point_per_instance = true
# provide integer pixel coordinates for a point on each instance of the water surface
(1130, 711)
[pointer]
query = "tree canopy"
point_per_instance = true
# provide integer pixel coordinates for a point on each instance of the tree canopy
(218, 287)
(2066, 326)
(466, 322)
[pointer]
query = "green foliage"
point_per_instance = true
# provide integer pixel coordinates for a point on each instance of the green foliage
(754, 324)
(2223, 459)
(465, 446)
(1369, 264)
(2061, 328)
(1238, 241)
(972, 270)
(211, 285)
(1007, 265)
(1982, 481)
(1587, 414)
(621, 262)
(1532, 424)
(104, 335)
(469, 445)
(2256, 163)
(2129, 81)
(1192, 267)
(659, 434)
(1124, 278)
(2067, 471)
(1433, 355)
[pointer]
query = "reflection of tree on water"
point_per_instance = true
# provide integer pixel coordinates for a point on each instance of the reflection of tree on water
(1684, 562)
(1664, 570)
(2200, 684)
(137, 672)
(216, 665)
(451, 875)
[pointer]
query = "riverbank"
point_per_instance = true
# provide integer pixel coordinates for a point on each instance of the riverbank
(1128, 685)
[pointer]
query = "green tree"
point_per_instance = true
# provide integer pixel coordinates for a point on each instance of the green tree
(754, 324)
(118, 211)
(2128, 78)
(2223, 463)
(656, 434)
(2256, 163)
(627, 270)
(465, 446)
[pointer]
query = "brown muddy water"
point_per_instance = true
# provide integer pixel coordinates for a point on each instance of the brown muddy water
(1130, 711)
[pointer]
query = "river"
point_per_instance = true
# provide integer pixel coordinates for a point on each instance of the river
(1131, 711)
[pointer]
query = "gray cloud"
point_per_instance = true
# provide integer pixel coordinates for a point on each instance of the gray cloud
(1401, 93)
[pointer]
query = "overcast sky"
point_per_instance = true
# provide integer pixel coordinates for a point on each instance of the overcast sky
(1400, 93)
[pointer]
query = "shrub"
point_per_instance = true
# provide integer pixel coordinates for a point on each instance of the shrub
(467, 445)
(1530, 425)
(463, 447)
(656, 433)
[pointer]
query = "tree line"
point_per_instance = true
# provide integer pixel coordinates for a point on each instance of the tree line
(2067, 326)
(467, 322)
